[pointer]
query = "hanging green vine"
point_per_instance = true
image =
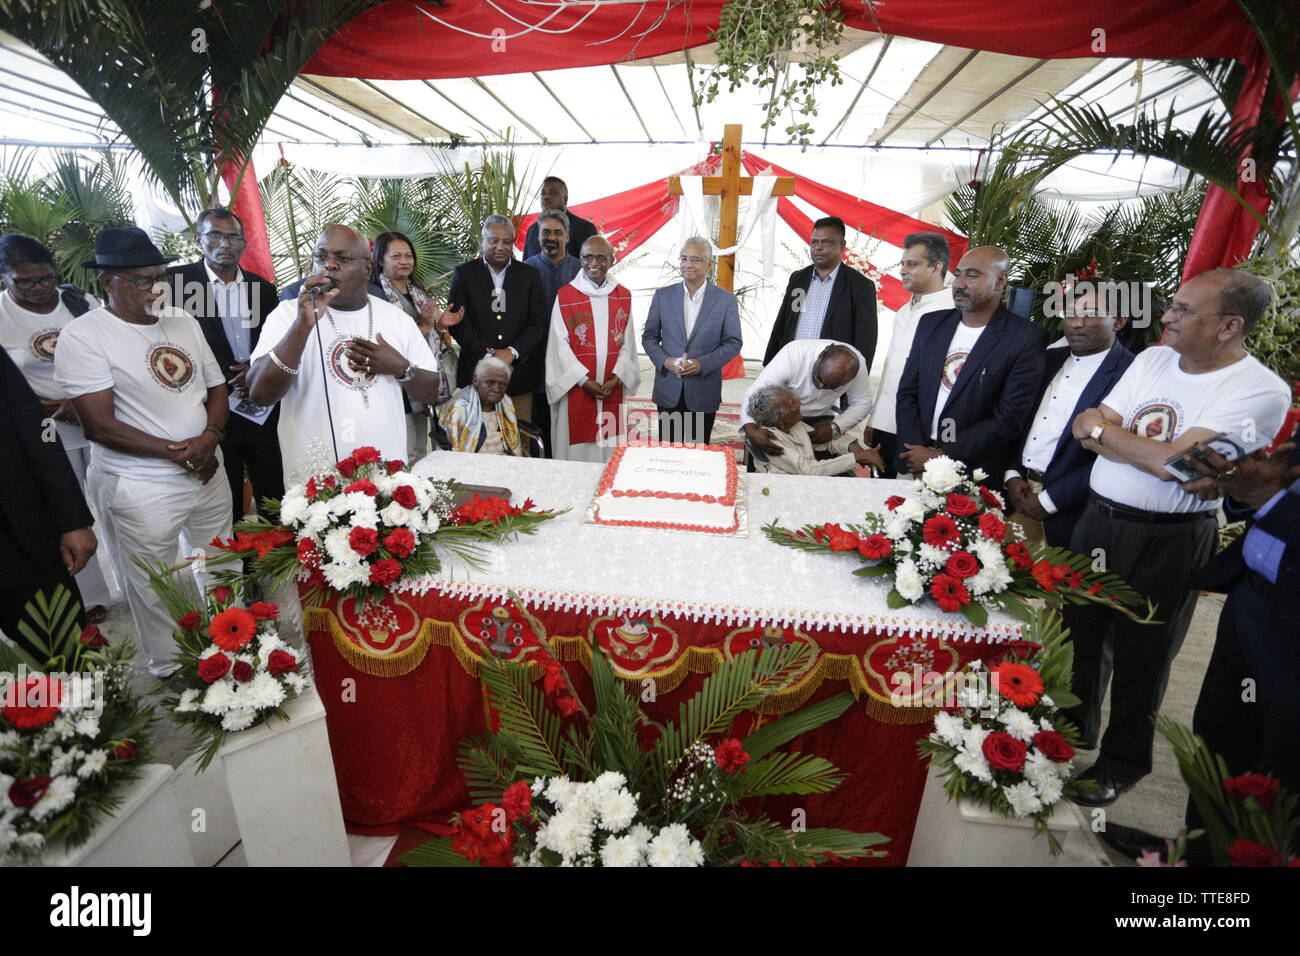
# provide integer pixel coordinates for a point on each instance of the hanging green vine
(782, 46)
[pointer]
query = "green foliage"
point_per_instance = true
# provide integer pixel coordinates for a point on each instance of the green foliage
(497, 186)
(784, 46)
(187, 84)
(1275, 341)
(417, 209)
(81, 194)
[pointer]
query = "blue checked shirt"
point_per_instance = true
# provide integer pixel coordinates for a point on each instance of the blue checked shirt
(814, 306)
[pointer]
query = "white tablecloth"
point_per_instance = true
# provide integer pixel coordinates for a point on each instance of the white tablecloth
(570, 564)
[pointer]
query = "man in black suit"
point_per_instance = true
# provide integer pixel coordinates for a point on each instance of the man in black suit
(969, 384)
(231, 306)
(1048, 485)
(1248, 711)
(505, 314)
(45, 535)
(555, 196)
(828, 299)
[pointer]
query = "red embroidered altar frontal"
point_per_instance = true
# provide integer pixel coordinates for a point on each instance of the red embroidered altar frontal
(400, 688)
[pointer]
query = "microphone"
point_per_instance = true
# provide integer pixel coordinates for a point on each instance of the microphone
(330, 283)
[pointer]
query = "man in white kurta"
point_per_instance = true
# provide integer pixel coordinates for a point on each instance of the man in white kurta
(591, 360)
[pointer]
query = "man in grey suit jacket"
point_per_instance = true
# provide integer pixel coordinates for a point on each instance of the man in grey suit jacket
(692, 331)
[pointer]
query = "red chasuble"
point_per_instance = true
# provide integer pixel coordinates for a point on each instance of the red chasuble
(575, 309)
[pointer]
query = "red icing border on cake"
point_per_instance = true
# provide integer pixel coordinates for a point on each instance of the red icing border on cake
(729, 499)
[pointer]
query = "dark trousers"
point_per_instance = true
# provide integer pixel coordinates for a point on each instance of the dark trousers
(1248, 711)
(1156, 560)
(680, 424)
(257, 449)
(888, 443)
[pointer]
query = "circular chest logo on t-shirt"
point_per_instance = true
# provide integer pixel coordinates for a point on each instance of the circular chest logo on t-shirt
(952, 367)
(42, 344)
(1155, 420)
(342, 368)
(171, 365)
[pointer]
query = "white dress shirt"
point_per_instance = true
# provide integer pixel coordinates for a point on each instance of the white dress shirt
(232, 308)
(498, 283)
(885, 414)
(1054, 413)
(792, 368)
(691, 306)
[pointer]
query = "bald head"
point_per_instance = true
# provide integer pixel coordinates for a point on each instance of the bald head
(339, 240)
(837, 366)
(979, 281)
(597, 255)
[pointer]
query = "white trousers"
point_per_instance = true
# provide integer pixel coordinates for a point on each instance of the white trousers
(95, 591)
(158, 519)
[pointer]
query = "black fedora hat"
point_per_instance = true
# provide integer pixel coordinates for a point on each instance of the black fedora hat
(125, 247)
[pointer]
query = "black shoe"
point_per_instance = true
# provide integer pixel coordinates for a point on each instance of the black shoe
(1131, 842)
(1105, 788)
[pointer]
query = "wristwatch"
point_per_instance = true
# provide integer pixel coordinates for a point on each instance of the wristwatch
(836, 431)
(1096, 432)
(409, 374)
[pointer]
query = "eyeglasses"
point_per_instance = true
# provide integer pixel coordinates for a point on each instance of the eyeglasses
(49, 279)
(320, 258)
(692, 260)
(591, 258)
(143, 282)
(217, 238)
(1180, 311)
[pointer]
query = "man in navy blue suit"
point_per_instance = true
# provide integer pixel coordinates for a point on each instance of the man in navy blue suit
(691, 332)
(1049, 483)
(969, 384)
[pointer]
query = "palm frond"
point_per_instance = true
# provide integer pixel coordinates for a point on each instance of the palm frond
(788, 773)
(521, 710)
(770, 736)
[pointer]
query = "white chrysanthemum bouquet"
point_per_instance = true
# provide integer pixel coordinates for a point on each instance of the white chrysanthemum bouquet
(71, 731)
(949, 541)
(367, 524)
(1001, 741)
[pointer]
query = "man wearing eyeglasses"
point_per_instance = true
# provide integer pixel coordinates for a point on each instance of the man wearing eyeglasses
(152, 398)
(34, 309)
(1048, 487)
(691, 332)
(591, 361)
(338, 360)
(1150, 532)
(231, 304)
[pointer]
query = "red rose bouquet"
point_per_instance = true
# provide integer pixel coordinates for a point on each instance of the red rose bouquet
(1001, 740)
(234, 670)
(368, 525)
(72, 732)
(949, 542)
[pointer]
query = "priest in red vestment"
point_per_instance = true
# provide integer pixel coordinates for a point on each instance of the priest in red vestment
(591, 359)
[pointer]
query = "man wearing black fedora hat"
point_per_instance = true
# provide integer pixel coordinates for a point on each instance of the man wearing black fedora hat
(152, 399)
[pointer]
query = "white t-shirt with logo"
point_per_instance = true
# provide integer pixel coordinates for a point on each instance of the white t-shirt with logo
(160, 375)
(30, 338)
(963, 340)
(306, 442)
(1157, 400)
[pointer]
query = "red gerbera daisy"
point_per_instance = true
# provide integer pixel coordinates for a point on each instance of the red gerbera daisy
(949, 592)
(232, 629)
(1018, 683)
(940, 532)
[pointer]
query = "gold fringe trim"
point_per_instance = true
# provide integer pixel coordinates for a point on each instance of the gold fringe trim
(694, 660)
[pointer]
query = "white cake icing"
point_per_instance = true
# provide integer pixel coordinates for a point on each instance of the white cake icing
(626, 494)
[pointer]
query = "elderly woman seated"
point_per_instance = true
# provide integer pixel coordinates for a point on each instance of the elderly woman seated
(480, 417)
(777, 410)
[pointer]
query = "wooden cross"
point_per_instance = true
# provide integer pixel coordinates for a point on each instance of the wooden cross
(731, 186)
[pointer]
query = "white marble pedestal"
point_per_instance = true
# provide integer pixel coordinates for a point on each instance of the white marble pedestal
(962, 834)
(143, 831)
(271, 788)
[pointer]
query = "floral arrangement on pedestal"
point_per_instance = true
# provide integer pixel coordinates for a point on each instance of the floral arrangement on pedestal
(949, 541)
(72, 733)
(368, 524)
(1249, 819)
(558, 784)
(1003, 742)
(234, 671)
